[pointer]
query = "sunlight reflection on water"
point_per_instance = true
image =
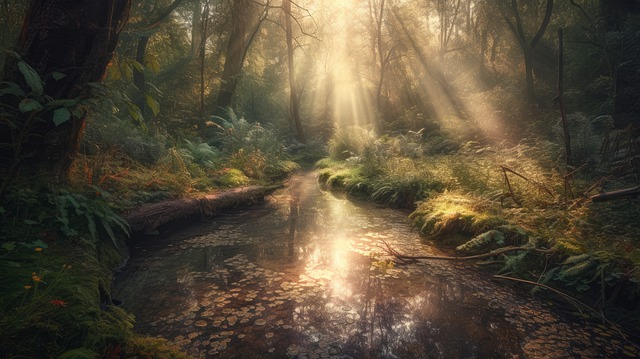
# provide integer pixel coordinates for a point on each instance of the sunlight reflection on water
(304, 276)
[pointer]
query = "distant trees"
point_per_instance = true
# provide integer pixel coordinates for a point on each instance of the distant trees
(512, 16)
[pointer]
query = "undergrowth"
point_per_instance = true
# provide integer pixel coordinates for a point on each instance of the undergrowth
(482, 197)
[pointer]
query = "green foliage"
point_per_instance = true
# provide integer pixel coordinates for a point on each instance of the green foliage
(50, 299)
(77, 213)
(238, 133)
(255, 150)
(153, 348)
(353, 141)
(201, 153)
(231, 177)
(482, 241)
(89, 217)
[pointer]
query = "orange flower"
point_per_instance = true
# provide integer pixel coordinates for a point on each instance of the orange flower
(58, 303)
(36, 278)
(38, 249)
(27, 287)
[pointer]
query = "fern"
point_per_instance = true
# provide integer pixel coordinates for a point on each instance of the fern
(515, 263)
(202, 153)
(579, 265)
(486, 238)
(77, 215)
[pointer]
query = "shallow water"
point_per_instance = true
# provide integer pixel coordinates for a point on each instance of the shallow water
(304, 276)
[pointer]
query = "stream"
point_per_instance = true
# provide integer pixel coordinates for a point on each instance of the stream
(304, 276)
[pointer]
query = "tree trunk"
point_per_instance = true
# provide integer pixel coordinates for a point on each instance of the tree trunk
(196, 28)
(563, 111)
(203, 55)
(383, 59)
(517, 27)
(483, 50)
(69, 44)
(295, 101)
(234, 59)
(528, 69)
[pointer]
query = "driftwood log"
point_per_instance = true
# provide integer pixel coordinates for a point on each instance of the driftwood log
(149, 217)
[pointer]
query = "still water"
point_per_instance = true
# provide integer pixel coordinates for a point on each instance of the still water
(304, 276)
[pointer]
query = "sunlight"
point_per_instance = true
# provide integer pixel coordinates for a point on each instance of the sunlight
(346, 95)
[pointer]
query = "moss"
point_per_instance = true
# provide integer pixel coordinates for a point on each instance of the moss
(145, 347)
(231, 177)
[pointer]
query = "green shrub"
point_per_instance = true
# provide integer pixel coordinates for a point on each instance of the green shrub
(349, 142)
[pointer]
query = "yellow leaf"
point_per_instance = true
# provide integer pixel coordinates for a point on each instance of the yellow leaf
(152, 63)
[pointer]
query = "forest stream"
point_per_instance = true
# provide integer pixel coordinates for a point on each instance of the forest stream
(304, 275)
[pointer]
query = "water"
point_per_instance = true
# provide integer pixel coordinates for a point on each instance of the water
(305, 276)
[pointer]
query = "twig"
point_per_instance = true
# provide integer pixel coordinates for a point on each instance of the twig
(542, 187)
(506, 180)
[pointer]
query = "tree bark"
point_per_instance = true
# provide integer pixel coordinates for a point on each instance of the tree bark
(295, 100)
(76, 40)
(242, 35)
(235, 53)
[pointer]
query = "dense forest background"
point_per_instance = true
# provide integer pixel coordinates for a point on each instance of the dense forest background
(498, 122)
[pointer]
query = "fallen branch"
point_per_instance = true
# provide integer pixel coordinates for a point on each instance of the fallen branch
(403, 257)
(621, 193)
(539, 185)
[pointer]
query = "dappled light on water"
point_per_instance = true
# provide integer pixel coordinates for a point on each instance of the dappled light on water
(305, 276)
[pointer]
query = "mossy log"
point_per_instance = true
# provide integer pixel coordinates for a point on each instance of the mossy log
(147, 218)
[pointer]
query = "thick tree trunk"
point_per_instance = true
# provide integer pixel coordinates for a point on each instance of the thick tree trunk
(75, 40)
(295, 100)
(236, 50)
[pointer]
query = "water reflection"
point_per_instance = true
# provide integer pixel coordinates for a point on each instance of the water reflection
(303, 276)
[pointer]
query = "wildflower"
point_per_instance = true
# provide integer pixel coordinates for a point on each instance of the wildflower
(36, 278)
(58, 303)
(38, 249)
(27, 287)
